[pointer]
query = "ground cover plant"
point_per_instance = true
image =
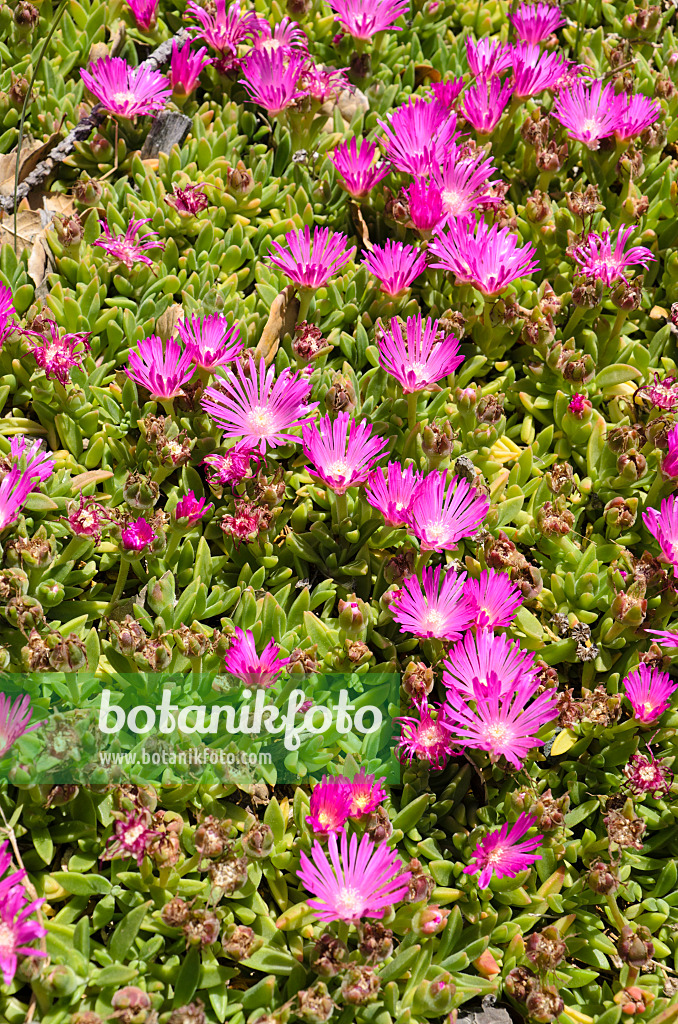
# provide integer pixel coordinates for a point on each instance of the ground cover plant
(340, 340)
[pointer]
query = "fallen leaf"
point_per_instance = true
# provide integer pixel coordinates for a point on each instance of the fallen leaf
(658, 313)
(93, 476)
(165, 325)
(360, 225)
(32, 152)
(57, 202)
(281, 321)
(424, 72)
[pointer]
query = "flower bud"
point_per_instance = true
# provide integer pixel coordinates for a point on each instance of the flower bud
(360, 985)
(330, 956)
(69, 230)
(546, 949)
(417, 680)
(88, 193)
(544, 1003)
(101, 149)
(629, 609)
(580, 407)
(620, 513)
(315, 1004)
(258, 842)
(466, 398)
(240, 942)
(434, 998)
(140, 492)
(351, 616)
(175, 913)
(520, 982)
(201, 928)
(430, 920)
(635, 948)
(437, 441)
(537, 207)
(376, 942)
(127, 636)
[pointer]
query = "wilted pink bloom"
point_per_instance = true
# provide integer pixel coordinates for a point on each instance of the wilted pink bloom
(311, 264)
(32, 458)
(354, 881)
(505, 852)
(463, 183)
(342, 451)
(126, 248)
(355, 162)
(636, 114)
(330, 805)
(487, 56)
(286, 36)
(493, 599)
(145, 12)
(485, 102)
(470, 663)
(426, 738)
(85, 519)
(271, 78)
(366, 794)
(252, 669)
(15, 717)
(362, 19)
(589, 112)
(14, 490)
(417, 357)
(598, 260)
(648, 691)
(189, 200)
(645, 774)
(425, 203)
(323, 82)
(663, 526)
(535, 22)
(392, 494)
(137, 535)
(191, 509)
(431, 607)
(662, 392)
(489, 258)
(535, 69)
(131, 836)
(395, 264)
(231, 468)
(417, 135)
(186, 66)
(224, 29)
(7, 310)
(245, 525)
(57, 355)
(16, 927)
(255, 405)
(501, 725)
(447, 93)
(124, 90)
(162, 368)
(443, 513)
(210, 341)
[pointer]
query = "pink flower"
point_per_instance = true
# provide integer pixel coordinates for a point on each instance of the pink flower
(598, 260)
(426, 204)
(645, 774)
(485, 102)
(662, 392)
(426, 738)
(354, 881)
(323, 82)
(191, 509)
(501, 725)
(395, 264)
(355, 163)
(271, 77)
(489, 258)
(245, 525)
(588, 112)
(487, 57)
(493, 599)
(125, 249)
(648, 691)
(577, 405)
(463, 183)
(438, 610)
(420, 359)
(311, 264)
(124, 90)
(225, 29)
(663, 526)
(535, 70)
(131, 836)
(252, 669)
(186, 67)
(231, 468)
(342, 451)
(505, 852)
(470, 663)
(447, 93)
(392, 494)
(669, 464)
(330, 805)
(442, 514)
(286, 36)
(85, 519)
(7, 311)
(362, 19)
(16, 928)
(137, 535)
(636, 113)
(365, 793)
(32, 459)
(15, 717)
(57, 356)
(14, 491)
(210, 341)
(145, 12)
(665, 637)
(188, 201)
(418, 134)
(535, 22)
(257, 406)
(161, 369)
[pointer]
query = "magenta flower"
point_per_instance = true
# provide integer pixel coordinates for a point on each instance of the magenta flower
(392, 494)
(648, 691)
(535, 22)
(257, 406)
(38, 463)
(493, 599)
(637, 113)
(645, 774)
(395, 264)
(14, 491)
(489, 258)
(188, 201)
(323, 82)
(589, 112)
(286, 36)
(137, 535)
(426, 205)
(535, 69)
(472, 661)
(7, 311)
(505, 852)
(56, 355)
(598, 260)
(16, 927)
(420, 359)
(426, 738)
(310, 264)
(362, 19)
(485, 102)
(186, 67)
(145, 12)
(342, 451)
(126, 248)
(442, 514)
(447, 93)
(502, 725)
(85, 519)
(162, 368)
(418, 134)
(663, 526)
(271, 78)
(252, 669)
(210, 341)
(487, 57)
(665, 637)
(15, 717)
(226, 28)
(355, 163)
(231, 468)
(579, 405)
(124, 90)
(463, 183)
(354, 881)
(131, 836)
(435, 610)
(330, 805)
(190, 509)
(662, 392)
(366, 794)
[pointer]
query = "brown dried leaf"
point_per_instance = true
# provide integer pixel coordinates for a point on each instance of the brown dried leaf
(360, 225)
(32, 152)
(424, 72)
(93, 476)
(281, 321)
(165, 325)
(658, 313)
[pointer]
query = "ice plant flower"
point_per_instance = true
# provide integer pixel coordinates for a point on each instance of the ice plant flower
(665, 637)
(210, 341)
(7, 310)
(588, 111)
(145, 12)
(253, 404)
(355, 881)
(391, 491)
(128, 249)
(447, 93)
(85, 518)
(487, 57)
(189, 200)
(501, 725)
(645, 774)
(32, 458)
(470, 663)
(186, 66)
(14, 490)
(124, 90)
(662, 392)
(463, 183)
(484, 103)
(286, 36)
(442, 513)
(493, 599)
(663, 526)
(311, 263)
(489, 258)
(15, 717)
(231, 468)
(362, 19)
(355, 162)
(426, 204)
(425, 738)
(535, 22)
(161, 367)
(252, 669)
(131, 836)
(417, 358)
(341, 451)
(636, 114)
(271, 78)
(191, 509)
(597, 258)
(366, 794)
(17, 927)
(224, 28)
(418, 134)
(58, 355)
(505, 852)
(395, 264)
(323, 82)
(649, 692)
(431, 606)
(535, 70)
(330, 805)
(137, 535)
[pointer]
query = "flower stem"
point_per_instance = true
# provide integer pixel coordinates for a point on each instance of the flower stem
(341, 506)
(119, 584)
(168, 406)
(412, 409)
(656, 487)
(616, 913)
(305, 296)
(572, 322)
